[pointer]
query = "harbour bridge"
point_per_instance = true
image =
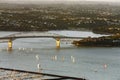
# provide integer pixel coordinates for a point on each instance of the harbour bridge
(10, 38)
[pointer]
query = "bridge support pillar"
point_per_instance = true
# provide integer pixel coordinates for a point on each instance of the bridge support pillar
(58, 43)
(10, 45)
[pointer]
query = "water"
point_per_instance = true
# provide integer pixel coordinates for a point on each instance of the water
(92, 63)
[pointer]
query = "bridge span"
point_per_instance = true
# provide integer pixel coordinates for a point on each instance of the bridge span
(57, 37)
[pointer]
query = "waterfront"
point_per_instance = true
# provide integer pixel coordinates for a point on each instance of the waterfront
(87, 62)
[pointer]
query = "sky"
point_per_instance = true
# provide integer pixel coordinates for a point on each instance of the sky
(106, 0)
(55, 0)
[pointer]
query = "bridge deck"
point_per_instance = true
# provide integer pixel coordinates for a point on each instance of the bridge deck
(38, 35)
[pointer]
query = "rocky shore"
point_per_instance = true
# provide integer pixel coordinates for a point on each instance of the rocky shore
(105, 41)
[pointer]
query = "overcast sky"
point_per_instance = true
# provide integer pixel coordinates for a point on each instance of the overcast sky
(55, 0)
(106, 0)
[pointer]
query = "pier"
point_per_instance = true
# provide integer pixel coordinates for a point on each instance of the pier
(22, 74)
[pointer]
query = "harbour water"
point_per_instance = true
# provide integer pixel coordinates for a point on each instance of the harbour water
(92, 63)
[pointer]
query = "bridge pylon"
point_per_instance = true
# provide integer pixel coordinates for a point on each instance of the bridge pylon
(10, 45)
(57, 42)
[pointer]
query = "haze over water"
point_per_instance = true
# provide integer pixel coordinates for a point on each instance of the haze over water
(92, 63)
(57, 1)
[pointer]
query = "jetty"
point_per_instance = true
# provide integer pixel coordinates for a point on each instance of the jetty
(15, 74)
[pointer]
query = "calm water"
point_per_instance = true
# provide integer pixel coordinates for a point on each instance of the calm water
(92, 63)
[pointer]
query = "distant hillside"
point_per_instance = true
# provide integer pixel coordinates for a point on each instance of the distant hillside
(99, 18)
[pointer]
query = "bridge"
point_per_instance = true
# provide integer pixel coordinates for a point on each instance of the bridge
(57, 37)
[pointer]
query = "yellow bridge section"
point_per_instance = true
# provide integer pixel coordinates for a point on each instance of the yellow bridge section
(58, 43)
(10, 45)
